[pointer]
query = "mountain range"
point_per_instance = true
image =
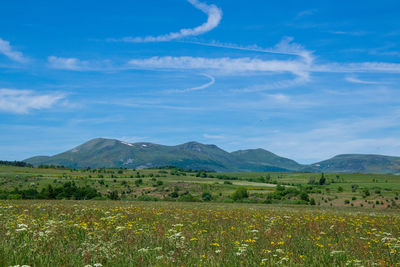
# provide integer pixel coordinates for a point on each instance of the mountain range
(111, 153)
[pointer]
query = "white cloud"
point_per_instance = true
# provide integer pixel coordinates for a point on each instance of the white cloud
(225, 65)
(213, 136)
(214, 15)
(305, 13)
(23, 101)
(8, 51)
(358, 67)
(197, 88)
(67, 63)
(354, 33)
(286, 47)
(356, 80)
(280, 98)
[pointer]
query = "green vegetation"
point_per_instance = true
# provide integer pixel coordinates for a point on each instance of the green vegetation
(288, 218)
(118, 233)
(176, 184)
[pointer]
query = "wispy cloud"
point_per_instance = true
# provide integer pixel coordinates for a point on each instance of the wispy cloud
(305, 13)
(67, 63)
(354, 33)
(213, 136)
(352, 79)
(285, 47)
(76, 64)
(197, 88)
(23, 101)
(358, 67)
(225, 65)
(214, 16)
(8, 51)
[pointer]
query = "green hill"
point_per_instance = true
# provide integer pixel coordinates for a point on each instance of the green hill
(112, 153)
(360, 163)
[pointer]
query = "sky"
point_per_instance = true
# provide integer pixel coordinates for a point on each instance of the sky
(306, 80)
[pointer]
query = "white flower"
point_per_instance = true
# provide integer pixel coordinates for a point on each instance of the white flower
(120, 228)
(143, 250)
(218, 251)
(336, 252)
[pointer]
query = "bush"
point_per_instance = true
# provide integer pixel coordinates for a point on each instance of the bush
(113, 195)
(240, 193)
(147, 198)
(206, 196)
(138, 182)
(174, 194)
(188, 198)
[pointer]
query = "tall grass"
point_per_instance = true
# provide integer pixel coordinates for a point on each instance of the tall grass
(105, 233)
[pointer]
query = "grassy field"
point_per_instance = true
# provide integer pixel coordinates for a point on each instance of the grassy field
(359, 190)
(194, 219)
(120, 233)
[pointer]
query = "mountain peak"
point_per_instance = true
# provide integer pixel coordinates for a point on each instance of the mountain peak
(103, 152)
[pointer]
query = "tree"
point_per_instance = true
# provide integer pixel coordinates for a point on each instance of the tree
(240, 193)
(206, 196)
(322, 180)
(138, 182)
(113, 195)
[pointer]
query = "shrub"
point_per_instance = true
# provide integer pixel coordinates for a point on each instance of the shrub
(206, 196)
(240, 193)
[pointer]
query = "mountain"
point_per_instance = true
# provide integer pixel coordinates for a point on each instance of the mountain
(261, 157)
(113, 153)
(102, 152)
(359, 163)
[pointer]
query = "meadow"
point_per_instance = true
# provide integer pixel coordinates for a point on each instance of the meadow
(377, 191)
(121, 233)
(174, 217)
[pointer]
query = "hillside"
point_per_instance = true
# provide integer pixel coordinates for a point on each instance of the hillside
(112, 153)
(360, 163)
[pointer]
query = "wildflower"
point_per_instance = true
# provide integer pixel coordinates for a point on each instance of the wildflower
(336, 252)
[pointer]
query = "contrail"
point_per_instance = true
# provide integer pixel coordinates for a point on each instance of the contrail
(197, 88)
(214, 15)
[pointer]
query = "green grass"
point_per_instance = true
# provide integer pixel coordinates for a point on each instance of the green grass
(115, 233)
(384, 188)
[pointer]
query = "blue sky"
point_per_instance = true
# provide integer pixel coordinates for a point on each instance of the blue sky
(304, 79)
